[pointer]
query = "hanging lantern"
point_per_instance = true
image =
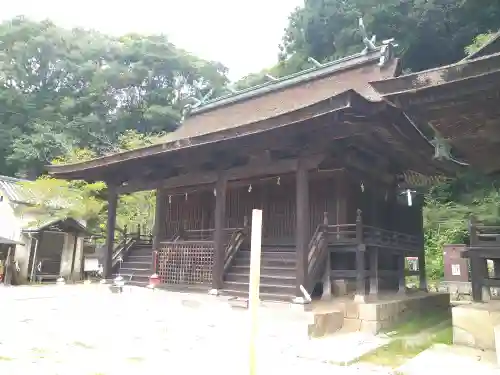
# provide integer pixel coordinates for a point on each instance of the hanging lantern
(362, 187)
(186, 196)
(278, 181)
(169, 199)
(250, 188)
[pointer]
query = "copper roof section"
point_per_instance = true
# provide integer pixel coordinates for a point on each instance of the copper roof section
(460, 101)
(288, 100)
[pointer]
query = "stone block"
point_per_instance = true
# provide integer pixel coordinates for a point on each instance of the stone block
(370, 326)
(326, 324)
(351, 325)
(369, 312)
(473, 326)
(352, 310)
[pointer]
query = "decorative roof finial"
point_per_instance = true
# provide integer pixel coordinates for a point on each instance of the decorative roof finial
(315, 62)
(369, 43)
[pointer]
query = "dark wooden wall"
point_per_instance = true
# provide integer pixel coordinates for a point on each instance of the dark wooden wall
(337, 193)
(276, 197)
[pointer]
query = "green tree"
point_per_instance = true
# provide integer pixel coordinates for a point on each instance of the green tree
(64, 89)
(87, 201)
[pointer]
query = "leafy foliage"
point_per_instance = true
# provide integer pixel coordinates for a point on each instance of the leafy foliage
(64, 89)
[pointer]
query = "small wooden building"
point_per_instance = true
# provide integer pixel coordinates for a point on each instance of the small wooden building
(320, 152)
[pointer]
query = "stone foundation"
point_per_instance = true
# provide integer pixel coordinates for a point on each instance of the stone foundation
(473, 324)
(385, 312)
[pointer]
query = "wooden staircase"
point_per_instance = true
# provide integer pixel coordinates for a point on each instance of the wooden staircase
(136, 267)
(277, 274)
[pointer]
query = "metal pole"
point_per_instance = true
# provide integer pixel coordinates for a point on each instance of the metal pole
(253, 300)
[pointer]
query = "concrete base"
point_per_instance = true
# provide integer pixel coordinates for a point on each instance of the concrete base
(473, 324)
(384, 311)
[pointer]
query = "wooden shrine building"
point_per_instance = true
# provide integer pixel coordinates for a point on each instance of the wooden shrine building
(461, 102)
(327, 159)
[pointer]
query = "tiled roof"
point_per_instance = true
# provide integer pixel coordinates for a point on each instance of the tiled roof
(15, 192)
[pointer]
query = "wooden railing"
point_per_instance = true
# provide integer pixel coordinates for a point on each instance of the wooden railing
(121, 250)
(238, 237)
(360, 233)
(318, 253)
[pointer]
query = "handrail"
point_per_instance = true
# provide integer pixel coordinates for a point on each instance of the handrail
(122, 248)
(237, 239)
(318, 250)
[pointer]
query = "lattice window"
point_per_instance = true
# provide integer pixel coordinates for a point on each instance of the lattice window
(186, 262)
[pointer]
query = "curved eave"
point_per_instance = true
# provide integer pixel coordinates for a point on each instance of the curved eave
(345, 100)
(408, 90)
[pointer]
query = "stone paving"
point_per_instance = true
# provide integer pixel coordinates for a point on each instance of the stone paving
(86, 330)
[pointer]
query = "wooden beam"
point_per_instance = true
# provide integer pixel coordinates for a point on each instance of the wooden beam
(237, 173)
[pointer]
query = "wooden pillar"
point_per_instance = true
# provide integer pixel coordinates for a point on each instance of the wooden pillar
(476, 272)
(110, 236)
(374, 271)
(302, 229)
(360, 260)
(160, 215)
(401, 273)
(327, 281)
(220, 216)
(422, 274)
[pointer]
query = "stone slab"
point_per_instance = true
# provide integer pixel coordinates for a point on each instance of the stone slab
(473, 324)
(341, 348)
(444, 359)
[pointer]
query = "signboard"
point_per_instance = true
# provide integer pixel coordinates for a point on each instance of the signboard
(455, 269)
(412, 263)
(91, 264)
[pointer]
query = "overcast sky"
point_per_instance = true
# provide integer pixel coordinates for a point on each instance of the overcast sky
(242, 34)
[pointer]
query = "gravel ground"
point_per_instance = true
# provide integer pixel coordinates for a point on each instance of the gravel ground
(86, 330)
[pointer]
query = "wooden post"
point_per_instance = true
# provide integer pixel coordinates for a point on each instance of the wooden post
(159, 218)
(422, 274)
(360, 260)
(327, 282)
(220, 216)
(110, 236)
(374, 271)
(302, 230)
(475, 263)
(401, 273)
(253, 293)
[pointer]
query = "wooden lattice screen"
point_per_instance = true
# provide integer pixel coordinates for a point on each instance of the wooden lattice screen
(186, 262)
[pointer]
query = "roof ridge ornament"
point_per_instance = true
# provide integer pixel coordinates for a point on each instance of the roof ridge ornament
(368, 42)
(386, 50)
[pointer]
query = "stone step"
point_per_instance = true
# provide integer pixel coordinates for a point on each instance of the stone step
(139, 258)
(128, 277)
(141, 252)
(125, 270)
(264, 279)
(136, 264)
(263, 296)
(264, 288)
(283, 269)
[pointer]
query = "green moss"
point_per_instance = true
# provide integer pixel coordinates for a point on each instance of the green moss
(135, 359)
(400, 350)
(82, 345)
